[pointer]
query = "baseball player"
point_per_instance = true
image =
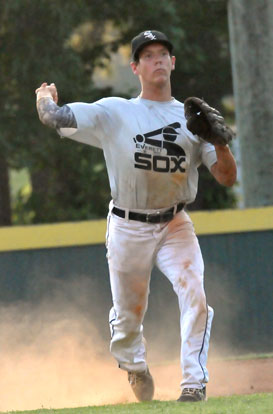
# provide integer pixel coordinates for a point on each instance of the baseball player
(153, 145)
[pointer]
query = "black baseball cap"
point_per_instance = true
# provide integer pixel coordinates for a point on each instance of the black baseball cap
(146, 38)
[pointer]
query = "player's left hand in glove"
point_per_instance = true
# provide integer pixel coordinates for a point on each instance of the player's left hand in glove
(206, 122)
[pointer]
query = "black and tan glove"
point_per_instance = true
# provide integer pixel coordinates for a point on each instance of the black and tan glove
(206, 122)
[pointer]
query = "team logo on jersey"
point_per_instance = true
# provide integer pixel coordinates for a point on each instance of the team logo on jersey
(149, 35)
(171, 162)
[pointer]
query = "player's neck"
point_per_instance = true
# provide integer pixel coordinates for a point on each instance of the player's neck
(156, 93)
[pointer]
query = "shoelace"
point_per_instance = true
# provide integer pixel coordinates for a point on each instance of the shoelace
(135, 377)
(192, 391)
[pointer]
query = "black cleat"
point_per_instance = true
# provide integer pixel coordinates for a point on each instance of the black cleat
(192, 395)
(142, 384)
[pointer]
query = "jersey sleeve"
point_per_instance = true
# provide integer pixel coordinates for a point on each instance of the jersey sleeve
(208, 154)
(93, 123)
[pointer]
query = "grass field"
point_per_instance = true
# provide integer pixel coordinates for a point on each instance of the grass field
(242, 404)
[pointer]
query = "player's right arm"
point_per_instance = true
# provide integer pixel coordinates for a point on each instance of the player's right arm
(49, 112)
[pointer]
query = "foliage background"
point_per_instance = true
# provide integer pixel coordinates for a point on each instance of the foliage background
(64, 42)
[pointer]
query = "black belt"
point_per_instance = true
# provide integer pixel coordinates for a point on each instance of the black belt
(157, 217)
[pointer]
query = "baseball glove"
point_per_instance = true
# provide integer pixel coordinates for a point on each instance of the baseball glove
(206, 122)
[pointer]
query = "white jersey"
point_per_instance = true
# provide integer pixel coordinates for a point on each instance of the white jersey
(151, 156)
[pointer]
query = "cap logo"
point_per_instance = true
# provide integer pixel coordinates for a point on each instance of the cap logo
(148, 34)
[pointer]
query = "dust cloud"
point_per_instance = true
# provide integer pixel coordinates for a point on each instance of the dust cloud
(52, 355)
(53, 359)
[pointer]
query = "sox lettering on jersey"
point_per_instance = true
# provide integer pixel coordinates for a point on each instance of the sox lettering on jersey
(157, 162)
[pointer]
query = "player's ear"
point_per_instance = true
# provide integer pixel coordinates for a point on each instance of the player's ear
(134, 67)
(173, 58)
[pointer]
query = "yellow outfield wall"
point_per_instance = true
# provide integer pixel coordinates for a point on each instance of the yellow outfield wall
(93, 231)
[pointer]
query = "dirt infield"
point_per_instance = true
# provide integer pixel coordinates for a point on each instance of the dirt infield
(241, 377)
(226, 378)
(55, 358)
(58, 381)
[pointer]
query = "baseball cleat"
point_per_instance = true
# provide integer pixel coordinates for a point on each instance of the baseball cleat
(142, 384)
(192, 395)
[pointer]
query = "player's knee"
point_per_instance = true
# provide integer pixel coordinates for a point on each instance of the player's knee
(197, 299)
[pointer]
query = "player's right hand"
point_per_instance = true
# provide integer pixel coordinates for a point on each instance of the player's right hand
(47, 90)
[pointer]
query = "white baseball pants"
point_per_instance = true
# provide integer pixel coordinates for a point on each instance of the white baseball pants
(133, 248)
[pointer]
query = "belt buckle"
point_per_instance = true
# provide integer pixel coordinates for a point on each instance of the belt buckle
(152, 215)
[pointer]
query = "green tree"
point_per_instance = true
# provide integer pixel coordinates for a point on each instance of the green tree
(34, 36)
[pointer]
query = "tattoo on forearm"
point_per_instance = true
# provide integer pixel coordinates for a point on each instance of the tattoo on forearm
(55, 116)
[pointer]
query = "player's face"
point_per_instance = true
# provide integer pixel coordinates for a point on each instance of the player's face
(155, 64)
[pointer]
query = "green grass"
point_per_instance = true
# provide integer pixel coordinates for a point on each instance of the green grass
(241, 404)
(244, 357)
